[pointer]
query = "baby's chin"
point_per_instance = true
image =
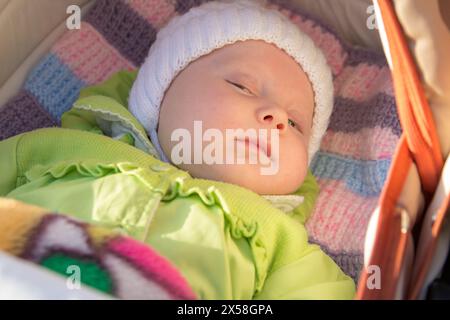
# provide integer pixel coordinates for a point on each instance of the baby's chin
(250, 177)
(268, 185)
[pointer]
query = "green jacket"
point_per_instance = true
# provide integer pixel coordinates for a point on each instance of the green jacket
(228, 242)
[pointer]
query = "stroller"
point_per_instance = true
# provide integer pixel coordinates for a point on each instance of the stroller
(406, 245)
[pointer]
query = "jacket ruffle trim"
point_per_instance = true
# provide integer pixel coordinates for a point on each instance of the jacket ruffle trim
(176, 187)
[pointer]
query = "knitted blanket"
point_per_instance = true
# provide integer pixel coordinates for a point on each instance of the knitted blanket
(96, 257)
(351, 165)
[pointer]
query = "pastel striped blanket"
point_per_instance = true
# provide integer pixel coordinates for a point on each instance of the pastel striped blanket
(355, 154)
(104, 260)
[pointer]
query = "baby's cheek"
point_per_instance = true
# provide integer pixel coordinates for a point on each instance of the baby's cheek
(295, 159)
(293, 178)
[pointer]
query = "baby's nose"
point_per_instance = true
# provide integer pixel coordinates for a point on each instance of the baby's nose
(269, 119)
(274, 117)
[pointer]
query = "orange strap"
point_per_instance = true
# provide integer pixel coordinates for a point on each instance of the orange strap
(419, 144)
(414, 112)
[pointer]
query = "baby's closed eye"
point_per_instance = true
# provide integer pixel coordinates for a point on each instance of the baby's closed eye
(241, 87)
(292, 123)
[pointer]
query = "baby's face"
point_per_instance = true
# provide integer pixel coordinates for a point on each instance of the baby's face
(246, 85)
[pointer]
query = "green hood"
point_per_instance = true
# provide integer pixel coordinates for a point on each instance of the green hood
(102, 109)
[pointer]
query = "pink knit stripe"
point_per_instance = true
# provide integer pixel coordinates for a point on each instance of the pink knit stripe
(156, 12)
(340, 217)
(153, 264)
(363, 81)
(89, 55)
(367, 144)
(330, 45)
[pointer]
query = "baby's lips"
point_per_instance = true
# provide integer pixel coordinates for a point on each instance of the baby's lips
(263, 145)
(266, 147)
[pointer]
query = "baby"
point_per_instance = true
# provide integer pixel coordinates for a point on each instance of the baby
(236, 66)
(221, 66)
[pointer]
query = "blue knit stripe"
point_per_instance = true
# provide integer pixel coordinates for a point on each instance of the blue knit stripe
(54, 86)
(363, 177)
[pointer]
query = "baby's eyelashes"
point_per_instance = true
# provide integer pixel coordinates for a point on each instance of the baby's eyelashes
(241, 87)
(294, 125)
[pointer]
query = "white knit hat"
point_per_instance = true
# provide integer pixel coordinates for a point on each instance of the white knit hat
(211, 26)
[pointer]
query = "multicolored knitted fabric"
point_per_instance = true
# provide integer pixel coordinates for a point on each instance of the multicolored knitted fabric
(104, 260)
(351, 165)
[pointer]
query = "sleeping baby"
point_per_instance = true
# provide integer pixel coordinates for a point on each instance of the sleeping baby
(255, 74)
(235, 100)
